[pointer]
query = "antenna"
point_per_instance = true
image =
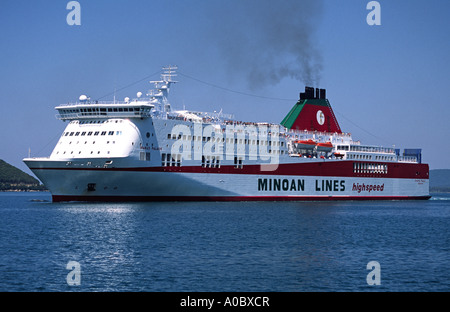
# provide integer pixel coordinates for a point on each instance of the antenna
(169, 72)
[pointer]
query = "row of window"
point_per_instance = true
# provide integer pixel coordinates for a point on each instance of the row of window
(79, 152)
(370, 157)
(210, 162)
(171, 160)
(224, 140)
(174, 160)
(84, 122)
(93, 142)
(370, 149)
(370, 168)
(89, 133)
(101, 110)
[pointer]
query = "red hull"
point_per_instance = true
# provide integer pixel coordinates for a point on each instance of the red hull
(320, 169)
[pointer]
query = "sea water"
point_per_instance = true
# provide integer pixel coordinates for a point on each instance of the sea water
(224, 247)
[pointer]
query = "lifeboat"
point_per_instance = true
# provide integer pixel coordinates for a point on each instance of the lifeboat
(324, 147)
(305, 144)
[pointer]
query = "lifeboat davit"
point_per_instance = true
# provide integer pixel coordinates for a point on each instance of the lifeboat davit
(305, 144)
(324, 147)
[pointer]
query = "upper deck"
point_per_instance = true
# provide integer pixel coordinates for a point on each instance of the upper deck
(87, 110)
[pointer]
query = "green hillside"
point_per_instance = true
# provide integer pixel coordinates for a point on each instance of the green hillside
(14, 179)
(440, 180)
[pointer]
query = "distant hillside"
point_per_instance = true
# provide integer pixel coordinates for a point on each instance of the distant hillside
(440, 180)
(14, 179)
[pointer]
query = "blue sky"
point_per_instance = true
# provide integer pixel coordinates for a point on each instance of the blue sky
(387, 84)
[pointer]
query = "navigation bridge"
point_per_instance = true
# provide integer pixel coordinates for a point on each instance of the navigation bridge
(87, 110)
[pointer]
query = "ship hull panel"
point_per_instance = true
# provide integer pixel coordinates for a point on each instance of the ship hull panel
(142, 184)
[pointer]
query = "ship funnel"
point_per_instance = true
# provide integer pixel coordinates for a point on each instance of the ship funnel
(310, 94)
(312, 112)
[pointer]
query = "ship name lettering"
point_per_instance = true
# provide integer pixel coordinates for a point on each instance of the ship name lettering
(281, 185)
(330, 185)
(367, 187)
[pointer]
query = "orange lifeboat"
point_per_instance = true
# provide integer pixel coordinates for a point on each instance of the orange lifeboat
(305, 144)
(324, 147)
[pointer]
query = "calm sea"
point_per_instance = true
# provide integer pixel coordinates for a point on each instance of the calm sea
(225, 247)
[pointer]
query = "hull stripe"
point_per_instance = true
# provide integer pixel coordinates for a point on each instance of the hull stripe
(63, 198)
(318, 169)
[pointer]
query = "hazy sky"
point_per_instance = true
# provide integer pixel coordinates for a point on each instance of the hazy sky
(387, 84)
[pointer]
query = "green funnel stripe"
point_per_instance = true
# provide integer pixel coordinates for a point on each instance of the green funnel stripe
(290, 118)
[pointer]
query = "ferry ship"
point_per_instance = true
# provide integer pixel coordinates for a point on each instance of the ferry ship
(141, 150)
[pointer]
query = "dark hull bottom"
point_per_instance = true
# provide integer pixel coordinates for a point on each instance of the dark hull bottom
(66, 198)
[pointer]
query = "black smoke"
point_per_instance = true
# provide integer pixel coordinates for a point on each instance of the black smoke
(269, 40)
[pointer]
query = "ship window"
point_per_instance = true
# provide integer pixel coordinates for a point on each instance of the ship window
(238, 162)
(203, 161)
(173, 160)
(96, 132)
(111, 133)
(103, 132)
(71, 133)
